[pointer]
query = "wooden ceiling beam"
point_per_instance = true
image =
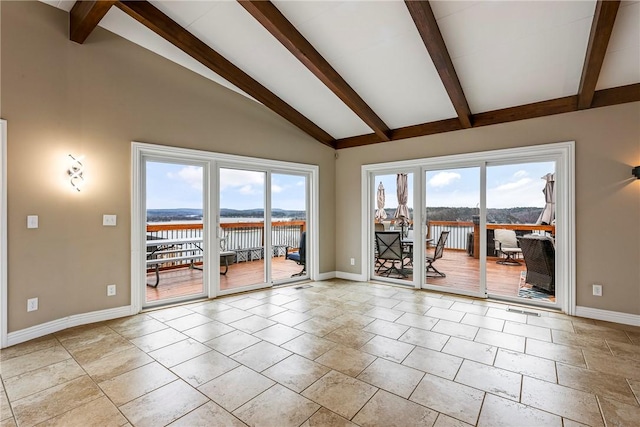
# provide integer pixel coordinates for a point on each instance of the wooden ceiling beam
(85, 16)
(616, 95)
(267, 14)
(427, 26)
(567, 104)
(601, 28)
(152, 18)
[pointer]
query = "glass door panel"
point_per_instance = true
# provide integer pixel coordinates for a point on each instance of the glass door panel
(288, 224)
(242, 228)
(175, 253)
(392, 228)
(520, 205)
(452, 216)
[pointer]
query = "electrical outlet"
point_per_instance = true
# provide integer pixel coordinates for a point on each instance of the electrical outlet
(111, 290)
(32, 304)
(353, 261)
(597, 290)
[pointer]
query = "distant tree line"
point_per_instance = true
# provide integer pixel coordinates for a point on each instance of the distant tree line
(166, 215)
(519, 215)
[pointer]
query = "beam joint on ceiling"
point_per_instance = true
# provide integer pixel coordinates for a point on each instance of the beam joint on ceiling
(601, 28)
(85, 16)
(152, 18)
(267, 14)
(568, 104)
(425, 22)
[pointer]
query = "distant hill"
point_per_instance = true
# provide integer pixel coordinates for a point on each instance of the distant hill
(165, 215)
(518, 215)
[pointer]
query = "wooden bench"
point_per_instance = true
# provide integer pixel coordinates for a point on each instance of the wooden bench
(157, 248)
(162, 251)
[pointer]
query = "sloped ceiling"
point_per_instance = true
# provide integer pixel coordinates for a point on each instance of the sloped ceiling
(361, 72)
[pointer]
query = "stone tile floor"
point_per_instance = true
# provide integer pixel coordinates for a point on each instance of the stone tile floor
(335, 354)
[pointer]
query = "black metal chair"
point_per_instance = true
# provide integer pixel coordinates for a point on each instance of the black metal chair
(437, 254)
(300, 256)
(389, 250)
(540, 258)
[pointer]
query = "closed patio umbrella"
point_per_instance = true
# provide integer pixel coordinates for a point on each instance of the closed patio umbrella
(402, 212)
(380, 213)
(548, 214)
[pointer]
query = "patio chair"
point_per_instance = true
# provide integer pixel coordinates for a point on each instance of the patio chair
(437, 254)
(389, 248)
(540, 258)
(507, 244)
(300, 256)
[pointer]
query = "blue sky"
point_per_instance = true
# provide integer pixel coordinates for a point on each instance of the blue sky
(507, 186)
(180, 186)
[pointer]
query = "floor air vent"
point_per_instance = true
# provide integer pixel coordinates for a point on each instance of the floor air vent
(528, 313)
(303, 287)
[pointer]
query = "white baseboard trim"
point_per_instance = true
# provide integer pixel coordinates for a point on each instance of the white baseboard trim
(609, 316)
(350, 276)
(327, 276)
(43, 329)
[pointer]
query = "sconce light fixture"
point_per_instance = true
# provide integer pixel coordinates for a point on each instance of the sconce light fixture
(75, 172)
(636, 172)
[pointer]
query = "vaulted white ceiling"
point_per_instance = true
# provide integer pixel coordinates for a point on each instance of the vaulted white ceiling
(505, 53)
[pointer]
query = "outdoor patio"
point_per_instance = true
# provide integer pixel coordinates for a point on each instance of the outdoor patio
(462, 272)
(187, 281)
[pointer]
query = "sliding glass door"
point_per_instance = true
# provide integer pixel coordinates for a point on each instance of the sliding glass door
(174, 233)
(392, 228)
(242, 228)
(498, 224)
(289, 236)
(207, 224)
(520, 218)
(452, 200)
(263, 220)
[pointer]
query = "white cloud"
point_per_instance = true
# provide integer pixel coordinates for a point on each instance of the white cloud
(514, 185)
(521, 173)
(524, 192)
(247, 190)
(276, 188)
(191, 175)
(234, 178)
(443, 179)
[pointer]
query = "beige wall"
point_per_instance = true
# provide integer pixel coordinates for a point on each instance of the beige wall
(607, 197)
(94, 99)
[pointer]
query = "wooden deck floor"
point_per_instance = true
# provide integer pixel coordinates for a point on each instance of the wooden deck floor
(463, 272)
(185, 281)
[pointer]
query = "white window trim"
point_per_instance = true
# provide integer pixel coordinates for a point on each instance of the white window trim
(3, 235)
(564, 155)
(213, 160)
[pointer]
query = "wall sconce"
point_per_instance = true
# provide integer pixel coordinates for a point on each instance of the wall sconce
(636, 172)
(75, 172)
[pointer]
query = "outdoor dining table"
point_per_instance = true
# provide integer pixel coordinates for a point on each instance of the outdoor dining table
(407, 243)
(157, 246)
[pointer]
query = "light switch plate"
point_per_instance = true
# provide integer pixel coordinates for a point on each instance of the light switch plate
(32, 221)
(109, 220)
